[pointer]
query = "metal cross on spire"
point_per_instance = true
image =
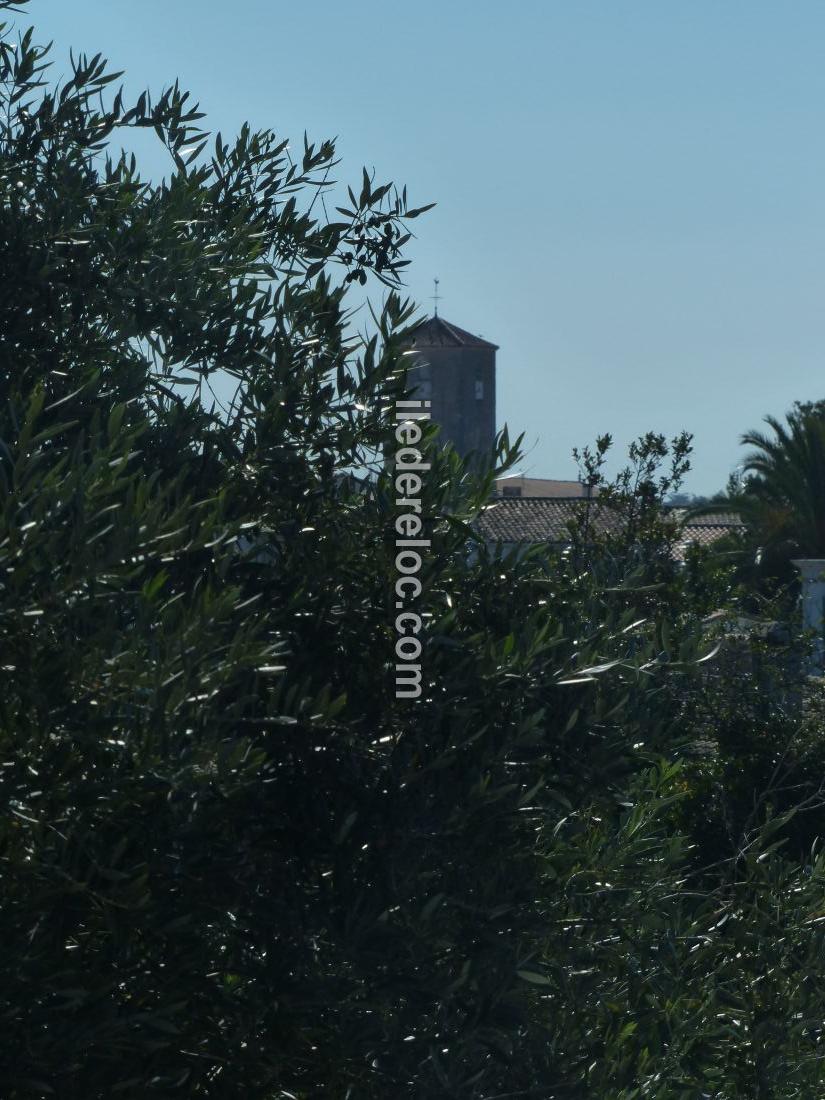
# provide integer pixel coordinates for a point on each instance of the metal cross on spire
(436, 297)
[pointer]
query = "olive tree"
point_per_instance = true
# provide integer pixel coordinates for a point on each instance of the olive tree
(233, 862)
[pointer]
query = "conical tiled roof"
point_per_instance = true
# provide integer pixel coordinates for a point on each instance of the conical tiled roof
(435, 332)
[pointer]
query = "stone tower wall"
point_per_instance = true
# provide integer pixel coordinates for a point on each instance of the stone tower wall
(460, 383)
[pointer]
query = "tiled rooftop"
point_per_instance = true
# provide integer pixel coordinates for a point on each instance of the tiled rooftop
(542, 519)
(547, 519)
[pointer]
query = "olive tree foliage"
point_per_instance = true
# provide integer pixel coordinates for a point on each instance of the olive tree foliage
(233, 863)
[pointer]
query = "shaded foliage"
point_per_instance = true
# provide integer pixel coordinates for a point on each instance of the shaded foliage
(781, 499)
(233, 863)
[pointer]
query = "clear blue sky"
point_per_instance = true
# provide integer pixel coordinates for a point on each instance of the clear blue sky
(631, 192)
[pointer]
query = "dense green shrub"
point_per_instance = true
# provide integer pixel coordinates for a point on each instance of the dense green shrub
(233, 863)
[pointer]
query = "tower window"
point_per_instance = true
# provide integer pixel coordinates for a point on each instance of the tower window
(479, 389)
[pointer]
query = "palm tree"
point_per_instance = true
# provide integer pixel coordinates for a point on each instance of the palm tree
(783, 497)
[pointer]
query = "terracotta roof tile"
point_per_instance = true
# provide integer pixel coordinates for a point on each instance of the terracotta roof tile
(704, 534)
(548, 519)
(541, 519)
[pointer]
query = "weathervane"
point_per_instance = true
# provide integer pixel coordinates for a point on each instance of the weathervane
(436, 297)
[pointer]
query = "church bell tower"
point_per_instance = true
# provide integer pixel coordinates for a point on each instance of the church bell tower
(456, 372)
